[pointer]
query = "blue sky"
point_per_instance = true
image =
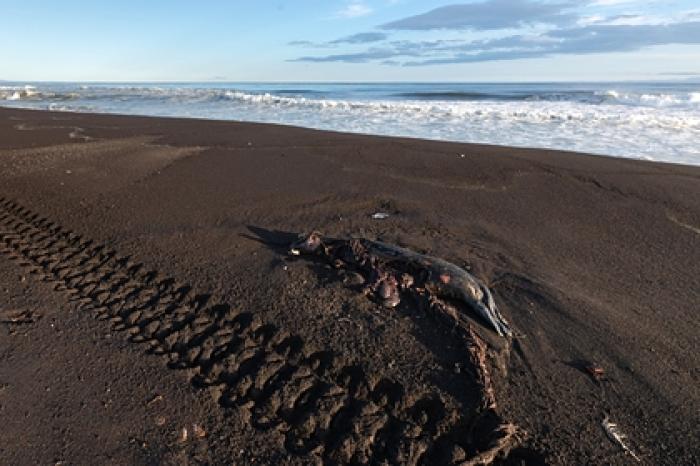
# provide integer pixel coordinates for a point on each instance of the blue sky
(349, 40)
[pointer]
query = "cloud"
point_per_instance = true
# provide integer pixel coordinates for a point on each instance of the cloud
(577, 41)
(691, 15)
(361, 38)
(612, 2)
(594, 38)
(490, 15)
(383, 53)
(681, 73)
(301, 43)
(354, 10)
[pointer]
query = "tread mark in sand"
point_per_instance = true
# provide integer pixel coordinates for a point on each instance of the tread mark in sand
(336, 413)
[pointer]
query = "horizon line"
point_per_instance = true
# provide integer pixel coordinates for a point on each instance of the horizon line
(534, 81)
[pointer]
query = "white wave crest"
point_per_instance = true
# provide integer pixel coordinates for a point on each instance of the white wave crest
(642, 124)
(660, 99)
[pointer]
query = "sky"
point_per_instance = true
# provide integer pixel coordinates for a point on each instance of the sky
(349, 40)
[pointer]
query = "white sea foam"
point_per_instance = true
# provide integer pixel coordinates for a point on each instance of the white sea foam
(655, 124)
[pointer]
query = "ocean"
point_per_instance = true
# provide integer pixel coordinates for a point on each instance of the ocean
(644, 120)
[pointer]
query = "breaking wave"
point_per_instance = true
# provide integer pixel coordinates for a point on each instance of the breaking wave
(655, 123)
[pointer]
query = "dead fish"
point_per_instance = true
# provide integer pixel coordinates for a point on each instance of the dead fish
(447, 280)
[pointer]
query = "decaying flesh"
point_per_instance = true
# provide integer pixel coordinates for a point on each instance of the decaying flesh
(391, 270)
(436, 277)
(440, 278)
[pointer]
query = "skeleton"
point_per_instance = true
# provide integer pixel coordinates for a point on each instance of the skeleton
(387, 271)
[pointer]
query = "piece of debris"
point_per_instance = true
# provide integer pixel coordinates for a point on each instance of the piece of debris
(617, 437)
(155, 399)
(380, 215)
(160, 421)
(595, 371)
(198, 431)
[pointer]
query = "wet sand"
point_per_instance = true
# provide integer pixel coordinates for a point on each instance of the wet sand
(146, 261)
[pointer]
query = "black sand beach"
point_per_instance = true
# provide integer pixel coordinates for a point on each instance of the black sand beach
(141, 255)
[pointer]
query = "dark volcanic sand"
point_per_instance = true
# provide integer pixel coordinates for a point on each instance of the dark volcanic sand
(591, 259)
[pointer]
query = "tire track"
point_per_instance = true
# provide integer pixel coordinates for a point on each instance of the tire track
(323, 407)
